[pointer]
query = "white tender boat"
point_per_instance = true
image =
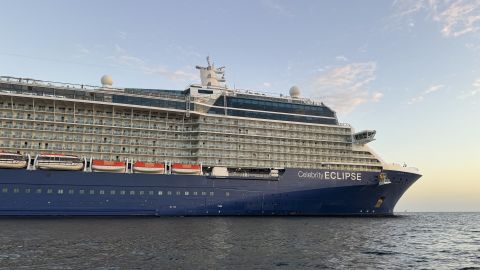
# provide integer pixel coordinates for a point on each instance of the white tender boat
(12, 161)
(59, 162)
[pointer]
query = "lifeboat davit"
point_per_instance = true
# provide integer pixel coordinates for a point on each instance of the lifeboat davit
(147, 167)
(12, 161)
(59, 162)
(179, 168)
(108, 166)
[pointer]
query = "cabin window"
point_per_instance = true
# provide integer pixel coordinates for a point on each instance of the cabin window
(71, 191)
(60, 191)
(150, 192)
(27, 190)
(4, 190)
(169, 193)
(112, 192)
(122, 192)
(102, 192)
(211, 193)
(178, 193)
(141, 192)
(92, 192)
(204, 193)
(49, 191)
(81, 191)
(227, 194)
(195, 193)
(38, 191)
(132, 192)
(186, 193)
(160, 193)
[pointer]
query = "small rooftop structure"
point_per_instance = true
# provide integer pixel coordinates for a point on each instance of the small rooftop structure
(106, 81)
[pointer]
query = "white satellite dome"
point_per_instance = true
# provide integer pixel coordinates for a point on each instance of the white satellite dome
(294, 91)
(107, 81)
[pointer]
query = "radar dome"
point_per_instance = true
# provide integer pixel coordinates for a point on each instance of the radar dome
(107, 80)
(295, 92)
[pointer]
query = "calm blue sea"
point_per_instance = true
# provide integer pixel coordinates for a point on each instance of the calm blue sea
(408, 241)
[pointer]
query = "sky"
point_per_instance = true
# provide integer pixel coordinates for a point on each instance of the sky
(410, 69)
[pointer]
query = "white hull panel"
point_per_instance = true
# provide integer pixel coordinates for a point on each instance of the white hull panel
(13, 164)
(105, 168)
(149, 170)
(186, 171)
(60, 166)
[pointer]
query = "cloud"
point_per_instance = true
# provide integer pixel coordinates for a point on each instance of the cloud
(80, 51)
(434, 88)
(341, 58)
(456, 17)
(122, 35)
(475, 91)
(275, 6)
(124, 59)
(430, 90)
(345, 87)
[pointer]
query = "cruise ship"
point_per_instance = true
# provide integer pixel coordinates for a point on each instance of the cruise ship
(208, 150)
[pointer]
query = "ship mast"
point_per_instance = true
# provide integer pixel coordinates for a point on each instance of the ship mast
(212, 76)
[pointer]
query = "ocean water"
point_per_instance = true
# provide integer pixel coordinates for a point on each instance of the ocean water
(407, 241)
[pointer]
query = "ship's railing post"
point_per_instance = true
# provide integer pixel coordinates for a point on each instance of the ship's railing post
(35, 162)
(29, 160)
(91, 165)
(85, 164)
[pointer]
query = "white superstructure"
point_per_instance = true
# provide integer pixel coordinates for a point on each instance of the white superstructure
(207, 124)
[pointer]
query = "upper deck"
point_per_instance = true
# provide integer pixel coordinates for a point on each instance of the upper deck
(195, 99)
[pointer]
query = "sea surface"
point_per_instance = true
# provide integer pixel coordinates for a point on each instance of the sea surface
(407, 241)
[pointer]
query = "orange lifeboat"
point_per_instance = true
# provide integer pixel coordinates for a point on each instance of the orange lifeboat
(179, 168)
(108, 166)
(59, 162)
(12, 161)
(147, 167)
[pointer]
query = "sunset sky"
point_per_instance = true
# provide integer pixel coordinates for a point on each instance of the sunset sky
(408, 69)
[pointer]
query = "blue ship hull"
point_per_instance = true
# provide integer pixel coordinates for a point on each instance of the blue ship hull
(296, 192)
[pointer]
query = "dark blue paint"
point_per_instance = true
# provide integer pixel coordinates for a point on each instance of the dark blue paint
(289, 195)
